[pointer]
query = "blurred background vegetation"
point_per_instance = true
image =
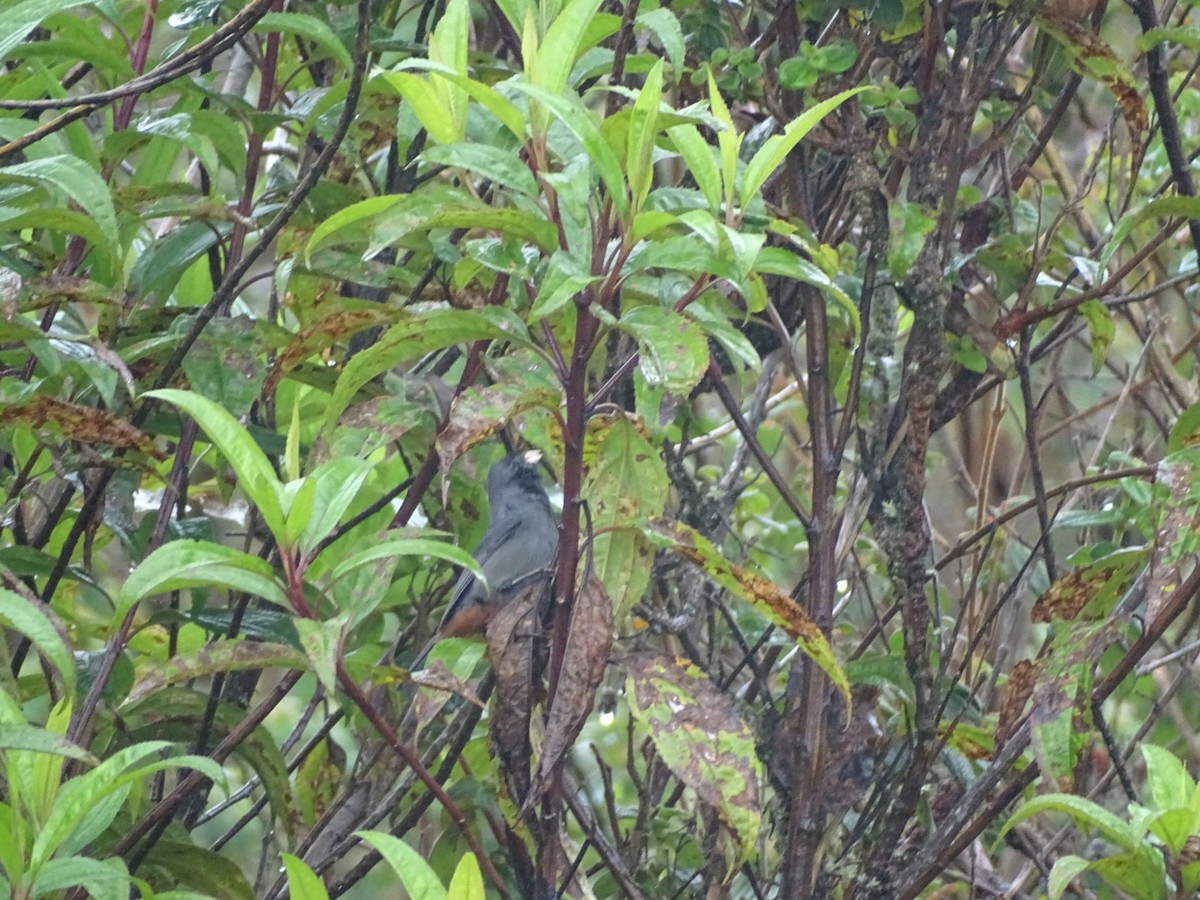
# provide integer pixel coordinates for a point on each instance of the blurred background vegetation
(859, 340)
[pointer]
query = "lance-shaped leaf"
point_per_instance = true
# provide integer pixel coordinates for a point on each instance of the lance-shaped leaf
(255, 474)
(37, 622)
(563, 39)
(82, 184)
(417, 335)
(578, 119)
(190, 564)
(210, 659)
(478, 413)
(763, 594)
(77, 422)
(488, 97)
(180, 713)
(448, 46)
(772, 154)
(418, 878)
(640, 137)
(700, 737)
(303, 884)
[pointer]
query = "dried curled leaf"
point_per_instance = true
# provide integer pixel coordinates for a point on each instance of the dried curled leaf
(512, 638)
(1017, 691)
(584, 662)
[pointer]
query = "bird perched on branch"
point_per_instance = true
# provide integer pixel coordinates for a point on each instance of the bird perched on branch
(520, 541)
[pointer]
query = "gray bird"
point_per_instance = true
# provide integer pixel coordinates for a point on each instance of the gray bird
(521, 539)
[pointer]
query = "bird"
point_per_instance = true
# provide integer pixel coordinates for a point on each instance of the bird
(520, 540)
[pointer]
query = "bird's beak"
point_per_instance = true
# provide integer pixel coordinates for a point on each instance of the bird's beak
(533, 457)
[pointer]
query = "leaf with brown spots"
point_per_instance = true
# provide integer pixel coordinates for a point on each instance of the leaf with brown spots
(1173, 539)
(321, 335)
(700, 737)
(479, 412)
(1088, 594)
(78, 423)
(588, 645)
(1092, 58)
(763, 594)
(222, 656)
(625, 480)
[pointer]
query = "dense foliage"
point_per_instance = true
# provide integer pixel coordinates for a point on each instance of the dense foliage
(858, 339)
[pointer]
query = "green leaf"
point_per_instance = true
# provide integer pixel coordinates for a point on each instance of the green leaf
(729, 142)
(706, 310)
(74, 820)
(297, 501)
(467, 883)
(640, 137)
(180, 713)
(1101, 329)
(578, 119)
(255, 475)
(662, 24)
(35, 621)
(448, 46)
(625, 480)
(777, 606)
(336, 484)
(321, 642)
(772, 154)
(309, 27)
(1170, 784)
(189, 564)
(407, 546)
(549, 70)
(303, 884)
(210, 659)
(493, 163)
(162, 264)
(699, 161)
(564, 278)
(106, 879)
(415, 874)
(207, 874)
(22, 18)
(789, 264)
(1084, 813)
(1186, 430)
(1163, 207)
(1066, 869)
(674, 351)
(428, 105)
(23, 736)
(354, 218)
(415, 336)
(492, 100)
(81, 183)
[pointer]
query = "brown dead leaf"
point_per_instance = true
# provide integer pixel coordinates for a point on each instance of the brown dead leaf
(584, 661)
(512, 638)
(79, 423)
(319, 336)
(1164, 574)
(1069, 596)
(1017, 691)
